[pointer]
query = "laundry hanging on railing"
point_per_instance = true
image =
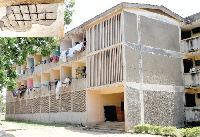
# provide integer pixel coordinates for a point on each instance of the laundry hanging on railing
(63, 56)
(72, 51)
(20, 92)
(54, 58)
(66, 82)
(59, 84)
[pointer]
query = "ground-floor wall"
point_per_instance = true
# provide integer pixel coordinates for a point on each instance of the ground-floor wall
(154, 104)
(68, 107)
(60, 117)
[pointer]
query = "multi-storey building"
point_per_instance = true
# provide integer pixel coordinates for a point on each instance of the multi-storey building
(129, 69)
(190, 45)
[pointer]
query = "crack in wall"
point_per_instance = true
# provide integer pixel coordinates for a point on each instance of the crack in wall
(20, 18)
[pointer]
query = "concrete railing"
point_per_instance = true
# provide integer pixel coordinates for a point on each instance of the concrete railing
(192, 114)
(27, 74)
(190, 44)
(77, 56)
(38, 69)
(192, 79)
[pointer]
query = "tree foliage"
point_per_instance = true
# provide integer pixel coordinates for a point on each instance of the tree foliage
(69, 11)
(15, 51)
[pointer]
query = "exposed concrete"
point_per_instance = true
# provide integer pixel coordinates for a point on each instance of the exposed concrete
(132, 112)
(164, 108)
(132, 64)
(162, 70)
(130, 27)
(159, 34)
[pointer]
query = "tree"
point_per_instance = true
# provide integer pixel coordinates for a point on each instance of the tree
(16, 50)
(69, 11)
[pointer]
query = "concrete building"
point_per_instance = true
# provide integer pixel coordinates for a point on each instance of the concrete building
(32, 18)
(130, 70)
(191, 58)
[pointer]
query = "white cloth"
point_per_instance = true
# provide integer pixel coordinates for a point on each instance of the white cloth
(66, 83)
(78, 47)
(71, 52)
(59, 84)
(63, 56)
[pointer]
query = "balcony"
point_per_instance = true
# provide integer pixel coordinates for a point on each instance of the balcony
(48, 66)
(192, 79)
(38, 69)
(192, 114)
(77, 56)
(190, 44)
(27, 74)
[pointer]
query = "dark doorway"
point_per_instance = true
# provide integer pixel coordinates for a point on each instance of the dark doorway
(188, 64)
(110, 113)
(190, 100)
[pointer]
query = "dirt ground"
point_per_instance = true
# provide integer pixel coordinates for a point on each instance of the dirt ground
(15, 129)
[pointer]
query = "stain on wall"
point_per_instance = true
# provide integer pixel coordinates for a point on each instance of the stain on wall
(21, 17)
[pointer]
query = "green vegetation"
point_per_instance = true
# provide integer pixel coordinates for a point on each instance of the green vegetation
(156, 130)
(16, 50)
(68, 11)
(167, 131)
(190, 132)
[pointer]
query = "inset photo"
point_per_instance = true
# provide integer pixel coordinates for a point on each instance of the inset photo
(32, 18)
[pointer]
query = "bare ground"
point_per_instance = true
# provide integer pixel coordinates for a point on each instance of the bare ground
(15, 129)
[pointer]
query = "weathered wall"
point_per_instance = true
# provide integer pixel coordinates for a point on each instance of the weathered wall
(132, 64)
(133, 107)
(43, 20)
(70, 108)
(130, 27)
(164, 108)
(163, 70)
(159, 34)
(154, 92)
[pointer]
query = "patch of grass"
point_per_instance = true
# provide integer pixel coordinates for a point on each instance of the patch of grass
(39, 124)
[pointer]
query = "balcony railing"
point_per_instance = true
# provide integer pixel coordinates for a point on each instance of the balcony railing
(192, 114)
(192, 79)
(190, 44)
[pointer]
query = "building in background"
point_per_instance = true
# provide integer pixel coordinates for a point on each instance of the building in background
(32, 18)
(123, 65)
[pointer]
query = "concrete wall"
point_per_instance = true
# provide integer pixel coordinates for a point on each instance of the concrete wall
(61, 117)
(65, 44)
(154, 92)
(55, 74)
(66, 72)
(163, 70)
(159, 34)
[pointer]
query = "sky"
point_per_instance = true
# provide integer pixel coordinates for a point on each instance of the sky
(87, 9)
